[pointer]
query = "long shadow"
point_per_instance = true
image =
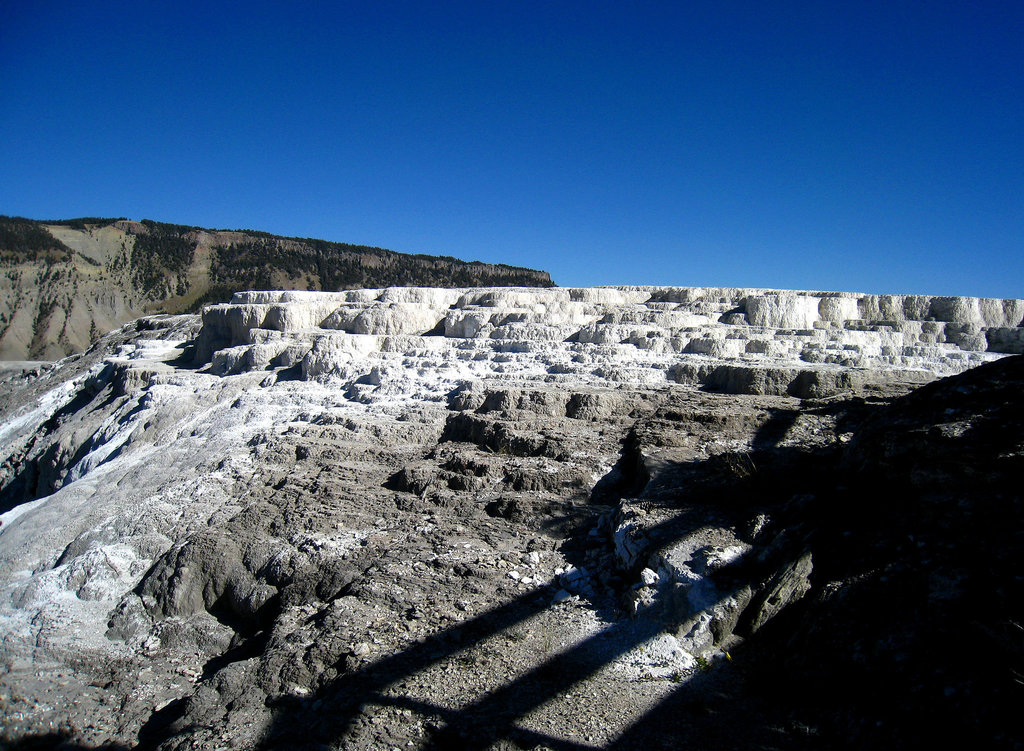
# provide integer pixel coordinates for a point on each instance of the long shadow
(866, 662)
(691, 716)
(347, 695)
(715, 711)
(491, 717)
(494, 715)
(487, 719)
(774, 429)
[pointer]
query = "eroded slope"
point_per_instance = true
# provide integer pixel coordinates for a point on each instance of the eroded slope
(362, 536)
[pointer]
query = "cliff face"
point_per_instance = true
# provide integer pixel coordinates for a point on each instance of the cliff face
(63, 284)
(518, 518)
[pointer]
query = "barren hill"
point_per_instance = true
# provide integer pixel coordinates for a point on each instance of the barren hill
(64, 283)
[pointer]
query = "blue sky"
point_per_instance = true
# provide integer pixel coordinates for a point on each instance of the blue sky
(876, 147)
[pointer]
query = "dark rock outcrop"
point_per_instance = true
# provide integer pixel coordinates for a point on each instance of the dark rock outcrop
(881, 597)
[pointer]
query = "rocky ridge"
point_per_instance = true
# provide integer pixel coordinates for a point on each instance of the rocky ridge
(64, 283)
(519, 518)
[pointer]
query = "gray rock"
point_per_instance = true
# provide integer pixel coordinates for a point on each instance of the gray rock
(787, 586)
(319, 531)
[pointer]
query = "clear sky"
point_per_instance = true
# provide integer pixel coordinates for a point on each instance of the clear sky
(867, 146)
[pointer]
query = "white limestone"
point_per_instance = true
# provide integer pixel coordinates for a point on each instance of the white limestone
(765, 341)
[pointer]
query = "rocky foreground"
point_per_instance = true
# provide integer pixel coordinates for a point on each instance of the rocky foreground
(520, 518)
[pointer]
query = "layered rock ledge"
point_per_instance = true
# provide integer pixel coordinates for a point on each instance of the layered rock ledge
(733, 340)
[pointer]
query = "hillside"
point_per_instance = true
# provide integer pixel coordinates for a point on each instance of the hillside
(65, 283)
(494, 519)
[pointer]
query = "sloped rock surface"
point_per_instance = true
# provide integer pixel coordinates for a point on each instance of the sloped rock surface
(517, 528)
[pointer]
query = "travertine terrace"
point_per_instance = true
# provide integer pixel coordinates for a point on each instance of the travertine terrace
(734, 340)
(488, 518)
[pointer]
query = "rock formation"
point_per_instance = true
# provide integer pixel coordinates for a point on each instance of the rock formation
(745, 340)
(519, 518)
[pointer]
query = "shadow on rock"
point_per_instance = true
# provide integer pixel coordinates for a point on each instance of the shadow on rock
(876, 596)
(57, 742)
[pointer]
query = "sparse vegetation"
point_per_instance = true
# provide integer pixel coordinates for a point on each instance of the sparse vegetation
(85, 222)
(252, 264)
(161, 251)
(24, 240)
(149, 266)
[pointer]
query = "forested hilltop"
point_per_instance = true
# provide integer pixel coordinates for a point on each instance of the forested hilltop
(64, 283)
